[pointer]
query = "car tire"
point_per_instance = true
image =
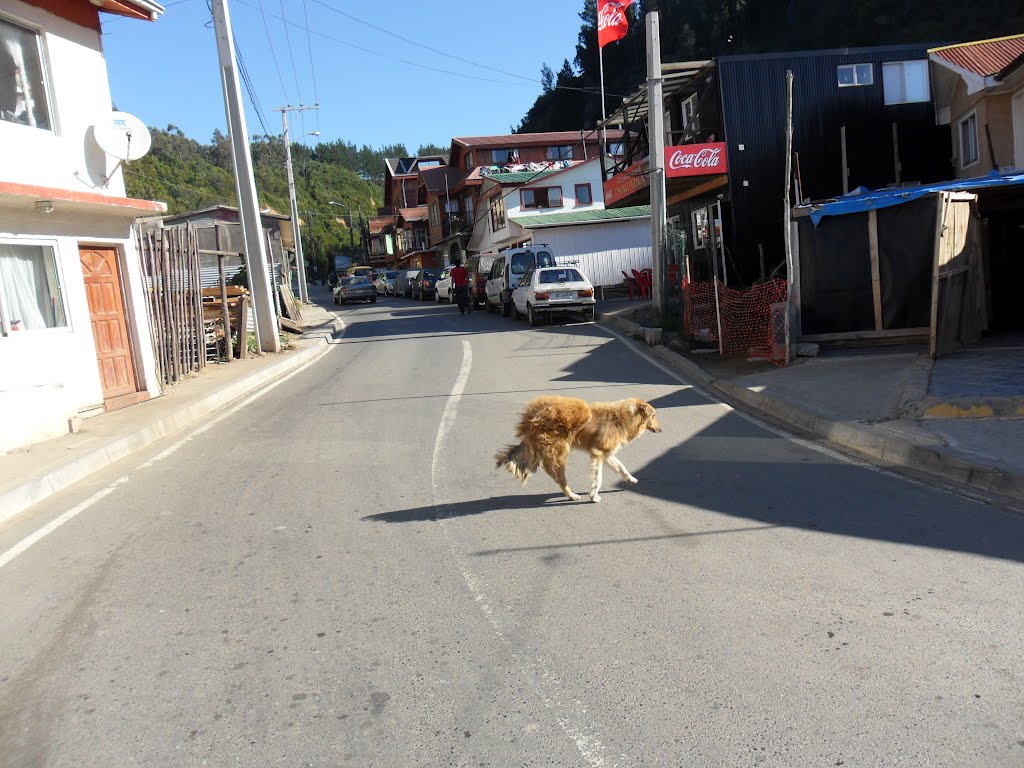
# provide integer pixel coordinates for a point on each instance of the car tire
(506, 308)
(437, 297)
(589, 314)
(335, 298)
(373, 299)
(488, 306)
(516, 314)
(531, 316)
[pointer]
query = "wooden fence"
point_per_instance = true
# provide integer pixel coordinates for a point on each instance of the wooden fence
(170, 263)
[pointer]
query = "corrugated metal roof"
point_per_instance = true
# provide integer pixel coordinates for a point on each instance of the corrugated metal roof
(590, 216)
(531, 139)
(419, 213)
(520, 177)
(434, 178)
(984, 57)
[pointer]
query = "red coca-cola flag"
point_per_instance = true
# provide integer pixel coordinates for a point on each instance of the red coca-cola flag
(611, 21)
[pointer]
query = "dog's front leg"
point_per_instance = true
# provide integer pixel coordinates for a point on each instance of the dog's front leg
(596, 468)
(619, 467)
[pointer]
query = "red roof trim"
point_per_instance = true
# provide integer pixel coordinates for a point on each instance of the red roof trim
(57, 194)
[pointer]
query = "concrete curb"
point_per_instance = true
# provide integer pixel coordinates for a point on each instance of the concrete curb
(864, 441)
(78, 468)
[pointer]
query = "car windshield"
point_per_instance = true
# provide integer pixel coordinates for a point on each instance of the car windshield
(391, 275)
(429, 273)
(521, 262)
(355, 281)
(548, 276)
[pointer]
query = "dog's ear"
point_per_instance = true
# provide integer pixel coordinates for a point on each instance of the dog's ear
(644, 409)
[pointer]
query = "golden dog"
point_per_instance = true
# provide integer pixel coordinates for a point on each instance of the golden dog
(551, 426)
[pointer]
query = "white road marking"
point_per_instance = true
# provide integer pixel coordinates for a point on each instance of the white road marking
(569, 713)
(72, 513)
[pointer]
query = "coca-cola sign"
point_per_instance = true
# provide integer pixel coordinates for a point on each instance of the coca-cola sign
(611, 21)
(695, 160)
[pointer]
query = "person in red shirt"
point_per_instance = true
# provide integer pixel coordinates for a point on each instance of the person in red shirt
(460, 280)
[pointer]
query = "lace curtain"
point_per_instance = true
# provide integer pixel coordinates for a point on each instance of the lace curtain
(29, 290)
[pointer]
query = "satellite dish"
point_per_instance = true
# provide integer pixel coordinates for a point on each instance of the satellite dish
(123, 136)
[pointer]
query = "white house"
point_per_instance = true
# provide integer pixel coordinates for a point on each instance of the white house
(575, 187)
(603, 243)
(74, 333)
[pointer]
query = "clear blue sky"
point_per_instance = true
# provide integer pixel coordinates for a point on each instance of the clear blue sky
(369, 90)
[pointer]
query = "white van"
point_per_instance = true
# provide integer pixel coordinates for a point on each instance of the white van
(506, 271)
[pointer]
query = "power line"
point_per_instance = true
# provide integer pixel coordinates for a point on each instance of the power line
(387, 56)
(420, 45)
(250, 88)
(312, 68)
(291, 55)
(270, 44)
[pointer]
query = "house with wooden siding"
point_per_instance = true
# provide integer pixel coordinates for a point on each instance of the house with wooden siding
(979, 93)
(74, 330)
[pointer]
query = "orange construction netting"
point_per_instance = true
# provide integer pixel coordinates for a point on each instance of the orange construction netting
(746, 316)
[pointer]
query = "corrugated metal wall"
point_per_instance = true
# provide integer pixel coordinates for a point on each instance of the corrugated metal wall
(754, 105)
(602, 250)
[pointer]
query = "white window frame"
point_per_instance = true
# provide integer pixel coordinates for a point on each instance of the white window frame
(5, 330)
(853, 68)
(902, 65)
(690, 120)
(44, 73)
(960, 140)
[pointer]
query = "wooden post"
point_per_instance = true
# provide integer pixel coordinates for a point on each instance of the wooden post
(224, 310)
(896, 154)
(876, 279)
(846, 170)
(243, 326)
(939, 227)
(787, 215)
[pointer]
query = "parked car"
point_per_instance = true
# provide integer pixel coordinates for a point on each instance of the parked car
(355, 288)
(385, 282)
(423, 285)
(443, 287)
(479, 266)
(506, 272)
(403, 282)
(550, 290)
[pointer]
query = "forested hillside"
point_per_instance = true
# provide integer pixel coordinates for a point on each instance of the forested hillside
(188, 175)
(701, 29)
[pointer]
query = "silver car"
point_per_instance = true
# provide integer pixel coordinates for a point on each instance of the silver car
(385, 282)
(355, 288)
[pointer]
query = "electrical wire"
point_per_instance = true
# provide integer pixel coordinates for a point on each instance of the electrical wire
(312, 68)
(270, 44)
(250, 89)
(295, 72)
(418, 65)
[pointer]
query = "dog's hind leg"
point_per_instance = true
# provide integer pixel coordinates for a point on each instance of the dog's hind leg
(555, 466)
(596, 471)
(618, 466)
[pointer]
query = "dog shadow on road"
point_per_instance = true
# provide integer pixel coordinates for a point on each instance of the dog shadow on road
(519, 502)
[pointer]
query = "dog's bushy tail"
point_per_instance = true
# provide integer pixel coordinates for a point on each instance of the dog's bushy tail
(520, 460)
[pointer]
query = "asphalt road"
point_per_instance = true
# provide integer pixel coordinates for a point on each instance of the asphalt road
(336, 575)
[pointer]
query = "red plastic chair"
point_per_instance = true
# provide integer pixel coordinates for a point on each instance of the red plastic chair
(644, 282)
(631, 284)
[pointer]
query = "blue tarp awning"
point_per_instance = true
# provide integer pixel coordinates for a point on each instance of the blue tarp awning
(866, 200)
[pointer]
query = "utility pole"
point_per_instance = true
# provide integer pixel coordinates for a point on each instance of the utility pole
(656, 134)
(300, 262)
(245, 185)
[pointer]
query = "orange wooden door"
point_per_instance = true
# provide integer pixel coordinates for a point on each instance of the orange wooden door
(109, 325)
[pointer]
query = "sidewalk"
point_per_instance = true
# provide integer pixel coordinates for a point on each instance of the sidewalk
(959, 419)
(38, 471)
